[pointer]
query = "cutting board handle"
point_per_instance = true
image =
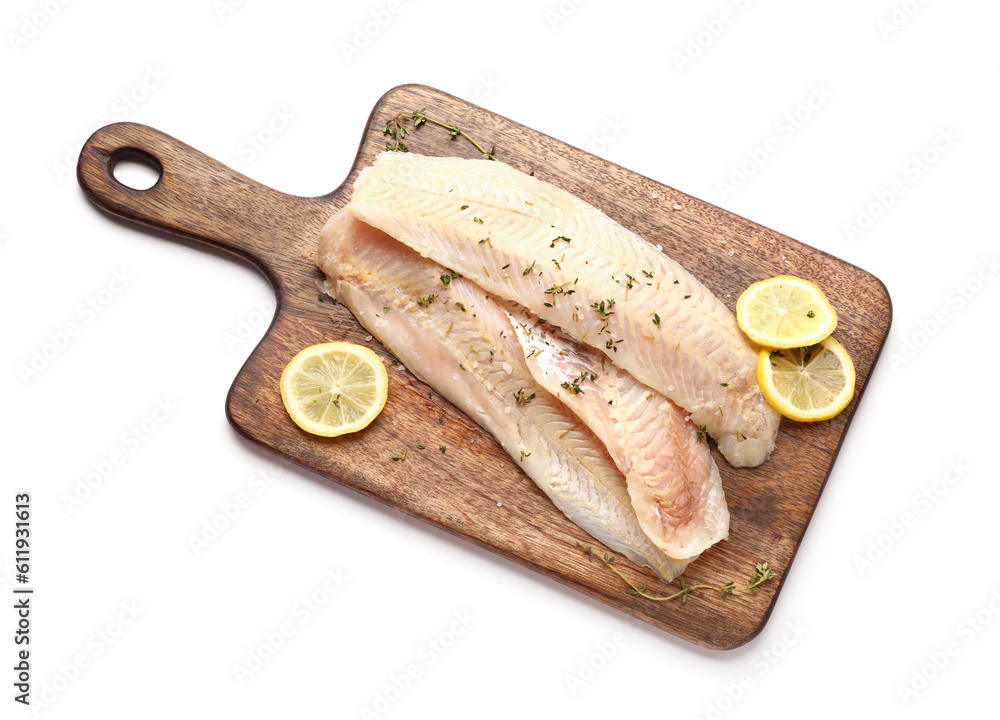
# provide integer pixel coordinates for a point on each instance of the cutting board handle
(195, 196)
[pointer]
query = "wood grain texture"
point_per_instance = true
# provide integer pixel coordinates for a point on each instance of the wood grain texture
(473, 489)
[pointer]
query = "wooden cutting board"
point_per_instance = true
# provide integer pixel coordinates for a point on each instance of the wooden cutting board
(473, 489)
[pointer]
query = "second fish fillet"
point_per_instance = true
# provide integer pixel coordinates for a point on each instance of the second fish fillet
(674, 484)
(537, 245)
(452, 337)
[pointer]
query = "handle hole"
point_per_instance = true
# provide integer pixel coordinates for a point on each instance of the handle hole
(135, 168)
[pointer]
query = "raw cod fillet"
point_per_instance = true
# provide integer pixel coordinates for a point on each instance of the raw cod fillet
(459, 326)
(534, 244)
(674, 484)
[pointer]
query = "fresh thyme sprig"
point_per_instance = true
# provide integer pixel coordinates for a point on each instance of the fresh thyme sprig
(398, 128)
(762, 575)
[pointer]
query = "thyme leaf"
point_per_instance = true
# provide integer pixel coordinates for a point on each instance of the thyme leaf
(603, 308)
(521, 399)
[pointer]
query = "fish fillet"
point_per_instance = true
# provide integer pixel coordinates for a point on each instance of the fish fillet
(453, 338)
(674, 484)
(532, 243)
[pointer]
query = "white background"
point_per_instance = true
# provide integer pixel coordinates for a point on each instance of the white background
(892, 608)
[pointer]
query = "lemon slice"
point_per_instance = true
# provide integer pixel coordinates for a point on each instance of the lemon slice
(334, 388)
(809, 383)
(785, 312)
